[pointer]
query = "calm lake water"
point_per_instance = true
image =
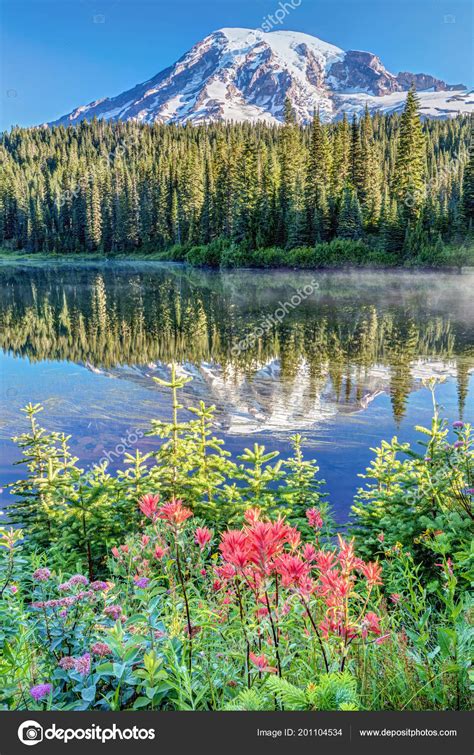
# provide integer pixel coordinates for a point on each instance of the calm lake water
(344, 365)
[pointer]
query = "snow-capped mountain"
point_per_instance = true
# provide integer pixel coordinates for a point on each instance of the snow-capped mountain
(246, 75)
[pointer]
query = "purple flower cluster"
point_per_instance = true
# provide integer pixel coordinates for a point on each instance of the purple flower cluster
(66, 602)
(113, 612)
(82, 664)
(101, 649)
(77, 579)
(39, 691)
(99, 584)
(141, 581)
(67, 663)
(42, 574)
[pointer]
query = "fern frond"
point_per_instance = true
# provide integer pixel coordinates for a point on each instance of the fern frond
(247, 699)
(333, 691)
(292, 697)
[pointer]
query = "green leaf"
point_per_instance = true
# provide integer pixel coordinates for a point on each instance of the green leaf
(141, 702)
(88, 693)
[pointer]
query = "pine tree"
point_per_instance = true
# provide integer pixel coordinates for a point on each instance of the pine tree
(410, 166)
(468, 182)
(357, 167)
(350, 217)
(290, 162)
(341, 164)
(93, 225)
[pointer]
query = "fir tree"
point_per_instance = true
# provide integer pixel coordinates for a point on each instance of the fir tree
(350, 216)
(410, 166)
(468, 182)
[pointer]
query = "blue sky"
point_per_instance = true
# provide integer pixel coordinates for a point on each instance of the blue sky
(57, 54)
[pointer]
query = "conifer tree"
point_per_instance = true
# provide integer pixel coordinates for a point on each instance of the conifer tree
(410, 166)
(468, 182)
(350, 216)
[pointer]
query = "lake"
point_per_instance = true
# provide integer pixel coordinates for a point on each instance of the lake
(337, 356)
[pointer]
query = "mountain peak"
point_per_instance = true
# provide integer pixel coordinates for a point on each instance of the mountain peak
(244, 74)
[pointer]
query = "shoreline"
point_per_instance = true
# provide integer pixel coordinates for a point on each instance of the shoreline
(30, 258)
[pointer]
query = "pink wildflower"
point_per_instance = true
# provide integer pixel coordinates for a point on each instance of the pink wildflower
(372, 572)
(262, 664)
(314, 518)
(78, 579)
(141, 582)
(174, 512)
(41, 575)
(371, 623)
(202, 536)
(83, 664)
(101, 649)
(159, 552)
(98, 585)
(67, 663)
(113, 612)
(149, 505)
(309, 553)
(252, 515)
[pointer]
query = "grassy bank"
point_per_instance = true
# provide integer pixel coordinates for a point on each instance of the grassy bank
(338, 253)
(221, 253)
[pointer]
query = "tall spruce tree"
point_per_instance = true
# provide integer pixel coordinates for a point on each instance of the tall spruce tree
(468, 182)
(410, 165)
(350, 217)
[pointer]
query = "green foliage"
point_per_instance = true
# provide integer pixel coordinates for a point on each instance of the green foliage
(331, 692)
(347, 251)
(419, 501)
(76, 514)
(410, 165)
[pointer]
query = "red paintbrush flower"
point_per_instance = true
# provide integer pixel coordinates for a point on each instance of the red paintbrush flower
(235, 548)
(372, 572)
(202, 536)
(309, 553)
(252, 515)
(159, 552)
(324, 560)
(149, 504)
(314, 518)
(174, 512)
(291, 569)
(262, 664)
(371, 623)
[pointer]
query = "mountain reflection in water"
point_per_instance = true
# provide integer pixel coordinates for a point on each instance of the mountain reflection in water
(358, 337)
